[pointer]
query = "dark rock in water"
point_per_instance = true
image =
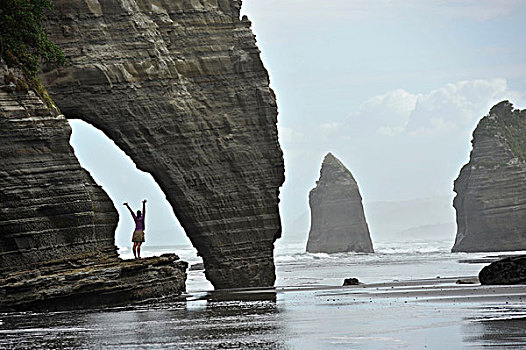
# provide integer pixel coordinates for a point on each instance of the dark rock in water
(180, 87)
(198, 266)
(491, 188)
(337, 218)
(351, 282)
(467, 281)
(510, 270)
(73, 284)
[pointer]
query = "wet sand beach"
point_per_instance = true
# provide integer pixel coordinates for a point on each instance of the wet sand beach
(409, 299)
(431, 313)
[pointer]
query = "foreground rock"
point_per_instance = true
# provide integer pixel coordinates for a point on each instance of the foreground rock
(57, 225)
(337, 219)
(180, 87)
(73, 284)
(491, 188)
(510, 270)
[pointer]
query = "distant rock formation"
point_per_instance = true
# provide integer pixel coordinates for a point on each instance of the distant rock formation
(180, 87)
(57, 225)
(510, 270)
(491, 187)
(337, 219)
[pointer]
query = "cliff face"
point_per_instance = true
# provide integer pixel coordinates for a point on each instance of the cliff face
(56, 225)
(180, 87)
(50, 207)
(337, 219)
(491, 188)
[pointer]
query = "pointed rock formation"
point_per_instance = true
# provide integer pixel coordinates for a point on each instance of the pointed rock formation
(491, 187)
(337, 219)
(180, 87)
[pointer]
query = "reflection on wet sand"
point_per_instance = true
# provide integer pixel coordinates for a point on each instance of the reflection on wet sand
(500, 326)
(227, 320)
(416, 314)
(237, 319)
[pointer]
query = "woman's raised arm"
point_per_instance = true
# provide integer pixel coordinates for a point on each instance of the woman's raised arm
(131, 211)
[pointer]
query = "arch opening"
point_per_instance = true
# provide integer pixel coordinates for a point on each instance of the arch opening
(123, 182)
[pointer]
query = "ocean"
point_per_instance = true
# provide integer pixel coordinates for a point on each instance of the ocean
(409, 299)
(392, 261)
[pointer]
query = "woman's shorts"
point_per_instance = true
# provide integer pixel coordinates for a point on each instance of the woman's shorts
(138, 236)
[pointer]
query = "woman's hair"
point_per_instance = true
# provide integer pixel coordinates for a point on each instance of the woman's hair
(138, 213)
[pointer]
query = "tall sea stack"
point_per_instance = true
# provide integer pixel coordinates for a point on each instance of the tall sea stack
(491, 187)
(337, 218)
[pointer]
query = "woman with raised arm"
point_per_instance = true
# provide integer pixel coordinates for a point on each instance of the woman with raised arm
(140, 226)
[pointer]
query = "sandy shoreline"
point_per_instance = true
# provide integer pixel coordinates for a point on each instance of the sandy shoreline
(448, 289)
(436, 289)
(434, 313)
(431, 313)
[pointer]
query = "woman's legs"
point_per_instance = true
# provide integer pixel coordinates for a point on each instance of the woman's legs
(134, 250)
(139, 249)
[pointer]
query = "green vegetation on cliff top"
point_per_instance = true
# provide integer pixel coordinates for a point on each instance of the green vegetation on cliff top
(511, 124)
(23, 40)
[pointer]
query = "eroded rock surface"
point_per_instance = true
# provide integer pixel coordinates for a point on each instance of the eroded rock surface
(50, 207)
(180, 87)
(337, 218)
(511, 270)
(491, 188)
(57, 225)
(75, 283)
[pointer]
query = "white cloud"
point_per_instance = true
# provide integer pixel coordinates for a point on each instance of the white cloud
(329, 128)
(289, 135)
(388, 113)
(455, 106)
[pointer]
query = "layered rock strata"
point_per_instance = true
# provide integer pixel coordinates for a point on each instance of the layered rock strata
(491, 188)
(180, 87)
(337, 218)
(57, 225)
(74, 284)
(510, 270)
(50, 207)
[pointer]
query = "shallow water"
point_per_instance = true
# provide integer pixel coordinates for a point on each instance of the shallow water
(294, 320)
(176, 325)
(307, 310)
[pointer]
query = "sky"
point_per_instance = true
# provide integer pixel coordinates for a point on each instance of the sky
(393, 88)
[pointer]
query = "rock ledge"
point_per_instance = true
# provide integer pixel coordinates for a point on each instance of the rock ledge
(77, 283)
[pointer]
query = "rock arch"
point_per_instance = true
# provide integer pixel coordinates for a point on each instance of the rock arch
(182, 90)
(123, 182)
(57, 225)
